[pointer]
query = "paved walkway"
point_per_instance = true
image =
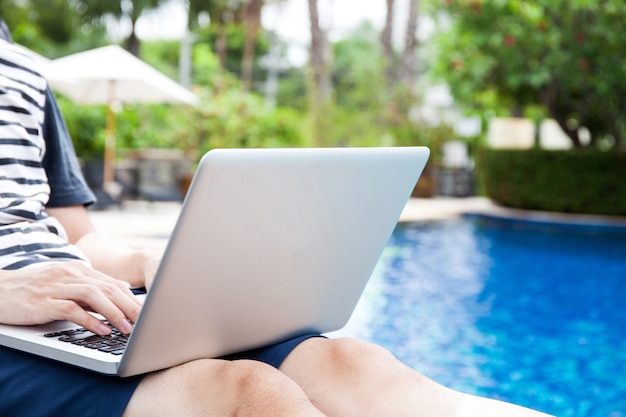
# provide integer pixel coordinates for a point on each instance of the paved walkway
(147, 224)
(140, 223)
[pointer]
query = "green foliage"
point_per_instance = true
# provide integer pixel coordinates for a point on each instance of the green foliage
(235, 40)
(28, 20)
(47, 28)
(228, 117)
(86, 127)
(358, 71)
(51, 17)
(362, 112)
(422, 133)
(162, 55)
(98, 11)
(206, 66)
(565, 55)
(215, 9)
(586, 182)
(292, 89)
(148, 126)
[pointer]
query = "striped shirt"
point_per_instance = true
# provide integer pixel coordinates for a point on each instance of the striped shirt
(28, 236)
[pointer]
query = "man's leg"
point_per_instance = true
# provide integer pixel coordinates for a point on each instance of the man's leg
(346, 378)
(220, 388)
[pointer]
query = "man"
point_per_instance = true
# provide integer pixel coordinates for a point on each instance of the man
(54, 265)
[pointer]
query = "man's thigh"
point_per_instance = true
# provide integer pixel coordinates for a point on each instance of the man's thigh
(213, 386)
(33, 386)
(217, 387)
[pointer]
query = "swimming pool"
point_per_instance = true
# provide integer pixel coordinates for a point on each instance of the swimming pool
(530, 314)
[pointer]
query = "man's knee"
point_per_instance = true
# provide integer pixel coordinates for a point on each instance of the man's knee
(356, 353)
(255, 389)
(340, 357)
(238, 379)
(249, 379)
(205, 387)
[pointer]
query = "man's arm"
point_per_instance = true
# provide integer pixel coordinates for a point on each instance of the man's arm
(69, 290)
(114, 258)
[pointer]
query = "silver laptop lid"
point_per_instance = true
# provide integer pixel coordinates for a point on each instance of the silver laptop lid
(270, 243)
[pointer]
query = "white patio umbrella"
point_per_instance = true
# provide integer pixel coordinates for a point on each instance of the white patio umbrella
(43, 65)
(110, 75)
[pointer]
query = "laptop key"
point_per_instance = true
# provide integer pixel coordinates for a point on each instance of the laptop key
(112, 348)
(76, 336)
(114, 343)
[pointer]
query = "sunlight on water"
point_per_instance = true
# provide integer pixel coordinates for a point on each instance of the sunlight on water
(528, 315)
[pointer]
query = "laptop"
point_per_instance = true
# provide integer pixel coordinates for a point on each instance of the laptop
(269, 244)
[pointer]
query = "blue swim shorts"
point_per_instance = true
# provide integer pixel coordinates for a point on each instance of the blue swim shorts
(34, 387)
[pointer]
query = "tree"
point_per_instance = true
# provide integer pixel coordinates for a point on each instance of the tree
(220, 13)
(52, 19)
(97, 10)
(409, 55)
(319, 85)
(358, 73)
(402, 67)
(46, 27)
(563, 55)
(195, 9)
(234, 30)
(319, 59)
(387, 45)
(252, 22)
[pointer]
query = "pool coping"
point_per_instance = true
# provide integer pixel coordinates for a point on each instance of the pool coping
(148, 224)
(418, 209)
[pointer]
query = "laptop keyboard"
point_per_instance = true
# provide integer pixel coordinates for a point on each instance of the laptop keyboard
(114, 343)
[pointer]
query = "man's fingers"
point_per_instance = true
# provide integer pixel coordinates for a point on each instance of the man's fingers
(71, 311)
(120, 308)
(115, 290)
(121, 295)
(100, 277)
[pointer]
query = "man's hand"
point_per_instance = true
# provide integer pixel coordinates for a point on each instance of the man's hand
(67, 291)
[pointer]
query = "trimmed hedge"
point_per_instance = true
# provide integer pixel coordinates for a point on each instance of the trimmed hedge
(580, 181)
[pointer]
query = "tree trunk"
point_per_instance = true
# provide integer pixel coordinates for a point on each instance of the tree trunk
(409, 55)
(319, 85)
(387, 46)
(319, 59)
(221, 43)
(252, 19)
(132, 42)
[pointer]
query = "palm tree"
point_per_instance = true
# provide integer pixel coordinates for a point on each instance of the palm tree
(320, 87)
(409, 58)
(195, 8)
(252, 21)
(387, 45)
(221, 12)
(98, 10)
(319, 57)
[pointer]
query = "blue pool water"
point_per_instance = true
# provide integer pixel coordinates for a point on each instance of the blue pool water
(525, 313)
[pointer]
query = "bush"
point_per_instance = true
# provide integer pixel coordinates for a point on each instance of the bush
(232, 118)
(86, 125)
(586, 182)
(227, 117)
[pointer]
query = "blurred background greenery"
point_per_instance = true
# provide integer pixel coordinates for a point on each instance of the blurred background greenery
(557, 59)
